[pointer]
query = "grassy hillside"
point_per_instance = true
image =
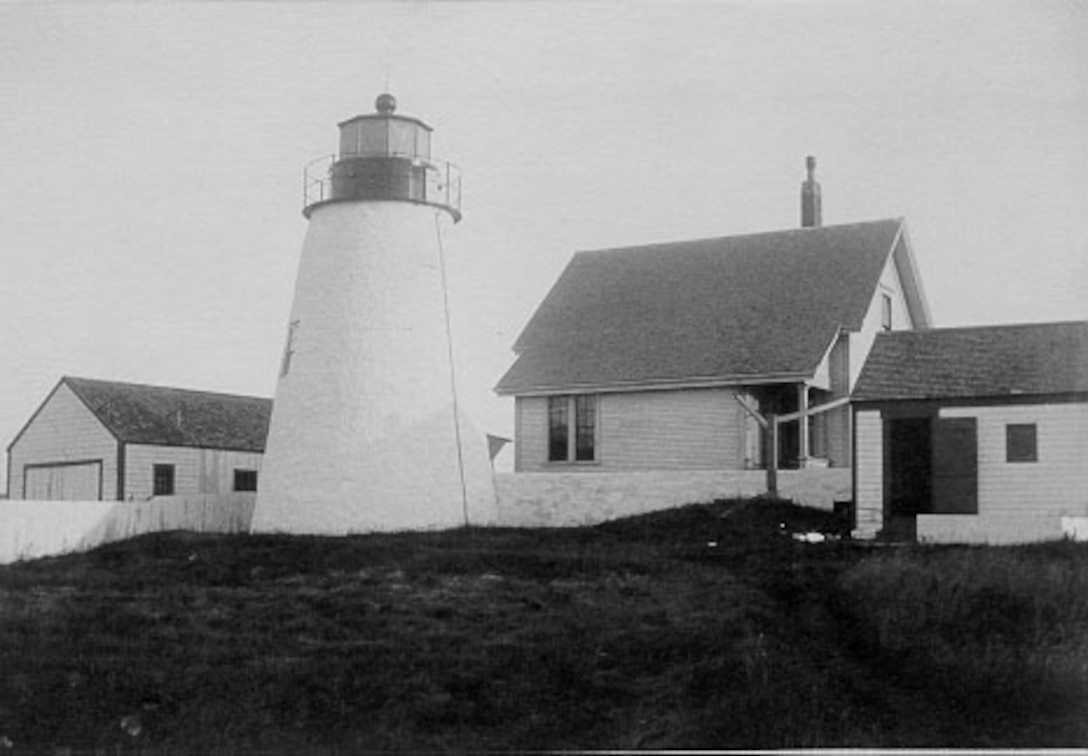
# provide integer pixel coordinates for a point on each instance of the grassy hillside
(706, 626)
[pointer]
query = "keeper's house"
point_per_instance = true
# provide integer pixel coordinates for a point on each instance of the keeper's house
(636, 357)
(101, 440)
(973, 434)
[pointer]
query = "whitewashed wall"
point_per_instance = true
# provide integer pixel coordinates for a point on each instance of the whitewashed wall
(572, 499)
(1017, 501)
(862, 341)
(869, 490)
(1021, 501)
(64, 431)
(991, 529)
(363, 434)
(32, 529)
(1056, 484)
(196, 471)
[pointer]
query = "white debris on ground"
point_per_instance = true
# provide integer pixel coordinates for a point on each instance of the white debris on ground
(812, 536)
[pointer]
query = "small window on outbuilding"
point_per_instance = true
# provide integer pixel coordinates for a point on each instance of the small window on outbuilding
(162, 477)
(1020, 443)
(245, 480)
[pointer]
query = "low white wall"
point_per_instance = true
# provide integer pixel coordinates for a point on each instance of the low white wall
(572, 499)
(995, 529)
(1075, 528)
(31, 529)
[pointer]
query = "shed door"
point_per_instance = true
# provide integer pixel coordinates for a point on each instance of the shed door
(81, 481)
(955, 466)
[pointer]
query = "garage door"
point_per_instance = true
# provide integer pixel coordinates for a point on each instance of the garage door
(63, 481)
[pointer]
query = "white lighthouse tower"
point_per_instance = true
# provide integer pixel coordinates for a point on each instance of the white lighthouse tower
(366, 431)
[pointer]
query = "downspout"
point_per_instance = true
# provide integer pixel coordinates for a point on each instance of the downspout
(120, 470)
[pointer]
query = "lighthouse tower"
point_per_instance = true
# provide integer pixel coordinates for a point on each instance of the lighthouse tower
(366, 432)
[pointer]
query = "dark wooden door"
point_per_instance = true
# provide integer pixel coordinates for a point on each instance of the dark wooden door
(907, 475)
(955, 466)
(908, 470)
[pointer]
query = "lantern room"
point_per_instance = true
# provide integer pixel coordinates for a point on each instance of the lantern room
(384, 157)
(384, 134)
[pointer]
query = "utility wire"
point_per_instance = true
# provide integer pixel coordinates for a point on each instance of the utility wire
(453, 373)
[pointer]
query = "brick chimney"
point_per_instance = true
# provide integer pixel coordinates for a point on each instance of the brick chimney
(811, 214)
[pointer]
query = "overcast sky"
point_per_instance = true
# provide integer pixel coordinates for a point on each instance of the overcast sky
(151, 158)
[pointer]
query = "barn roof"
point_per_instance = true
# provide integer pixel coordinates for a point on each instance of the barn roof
(757, 306)
(983, 361)
(158, 415)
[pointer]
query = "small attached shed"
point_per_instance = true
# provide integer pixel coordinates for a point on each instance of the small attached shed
(973, 434)
(102, 440)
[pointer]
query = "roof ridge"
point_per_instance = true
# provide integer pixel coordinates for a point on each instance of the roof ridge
(129, 384)
(991, 327)
(781, 232)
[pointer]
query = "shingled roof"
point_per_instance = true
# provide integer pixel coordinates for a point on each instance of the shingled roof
(728, 309)
(977, 362)
(140, 414)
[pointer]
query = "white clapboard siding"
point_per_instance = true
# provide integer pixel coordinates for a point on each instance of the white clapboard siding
(869, 487)
(862, 341)
(196, 471)
(62, 431)
(1055, 484)
(686, 429)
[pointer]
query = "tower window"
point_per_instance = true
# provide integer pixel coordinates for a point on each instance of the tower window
(289, 348)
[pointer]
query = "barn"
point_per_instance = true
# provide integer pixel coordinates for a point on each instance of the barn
(95, 440)
(973, 434)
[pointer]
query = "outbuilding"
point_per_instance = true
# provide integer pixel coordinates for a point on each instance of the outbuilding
(973, 434)
(103, 440)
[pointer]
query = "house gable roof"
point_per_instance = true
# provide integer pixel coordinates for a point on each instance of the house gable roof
(759, 306)
(161, 416)
(982, 361)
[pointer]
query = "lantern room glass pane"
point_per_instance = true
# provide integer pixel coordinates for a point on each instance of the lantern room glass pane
(423, 142)
(404, 139)
(365, 137)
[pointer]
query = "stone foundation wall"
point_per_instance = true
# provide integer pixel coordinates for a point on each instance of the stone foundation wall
(573, 499)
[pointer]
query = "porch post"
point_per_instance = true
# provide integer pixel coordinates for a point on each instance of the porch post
(770, 456)
(802, 430)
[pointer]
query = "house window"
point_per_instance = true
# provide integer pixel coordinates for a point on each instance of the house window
(245, 480)
(162, 480)
(585, 419)
(886, 311)
(1020, 443)
(572, 428)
